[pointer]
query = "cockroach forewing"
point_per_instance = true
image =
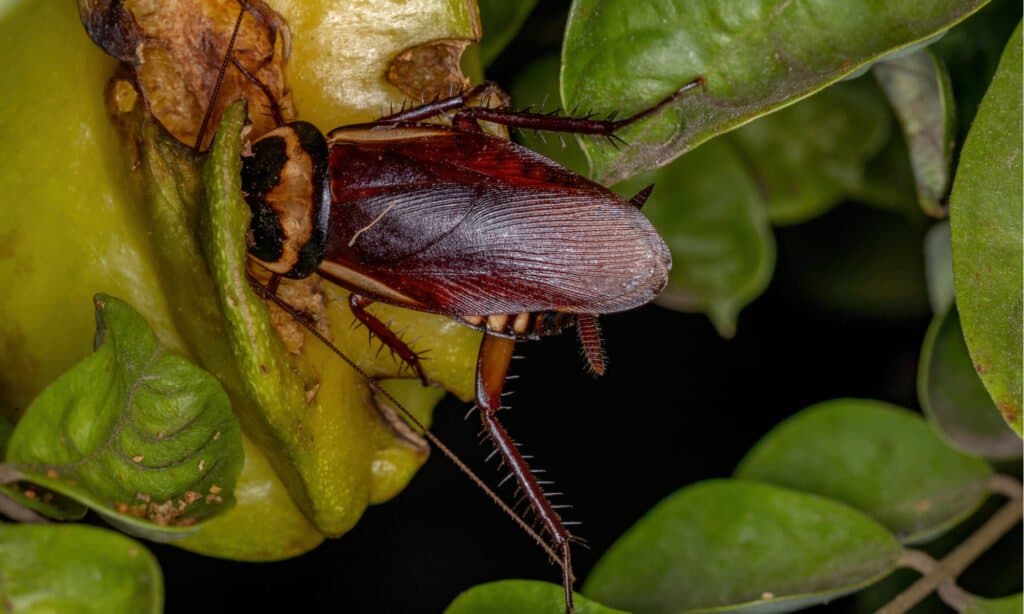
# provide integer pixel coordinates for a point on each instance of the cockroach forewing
(463, 223)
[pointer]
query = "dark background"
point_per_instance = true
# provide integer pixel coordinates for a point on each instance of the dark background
(679, 404)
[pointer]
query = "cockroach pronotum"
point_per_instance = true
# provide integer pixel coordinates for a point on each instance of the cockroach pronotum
(454, 221)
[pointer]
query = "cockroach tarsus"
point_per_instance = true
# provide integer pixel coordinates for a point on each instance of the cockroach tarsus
(453, 221)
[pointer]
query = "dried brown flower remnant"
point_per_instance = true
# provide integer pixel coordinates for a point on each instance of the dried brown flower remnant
(176, 48)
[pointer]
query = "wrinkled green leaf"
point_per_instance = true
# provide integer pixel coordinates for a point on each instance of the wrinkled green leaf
(75, 569)
(1013, 604)
(876, 457)
(938, 267)
(809, 156)
(501, 20)
(516, 596)
(537, 86)
(733, 544)
(755, 57)
(708, 209)
(985, 216)
(954, 398)
(920, 92)
(138, 434)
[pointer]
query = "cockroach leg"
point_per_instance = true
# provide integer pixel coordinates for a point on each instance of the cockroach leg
(440, 107)
(589, 332)
(358, 304)
(574, 125)
(492, 368)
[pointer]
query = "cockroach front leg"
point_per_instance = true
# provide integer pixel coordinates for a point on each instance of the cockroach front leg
(570, 125)
(358, 304)
(491, 370)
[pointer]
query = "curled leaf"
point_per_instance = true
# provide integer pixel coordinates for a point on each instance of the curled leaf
(138, 434)
(920, 92)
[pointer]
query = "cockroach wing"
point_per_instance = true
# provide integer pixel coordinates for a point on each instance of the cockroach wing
(464, 223)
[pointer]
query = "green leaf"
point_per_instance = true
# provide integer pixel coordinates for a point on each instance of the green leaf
(920, 92)
(810, 155)
(732, 544)
(954, 398)
(881, 459)
(501, 20)
(1013, 604)
(76, 569)
(707, 208)
(756, 57)
(515, 596)
(938, 267)
(985, 212)
(142, 436)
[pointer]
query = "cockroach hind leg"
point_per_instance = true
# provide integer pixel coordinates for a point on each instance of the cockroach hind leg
(492, 368)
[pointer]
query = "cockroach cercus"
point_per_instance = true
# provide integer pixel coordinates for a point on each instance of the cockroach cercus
(451, 220)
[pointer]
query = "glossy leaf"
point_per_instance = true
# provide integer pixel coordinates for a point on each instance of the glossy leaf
(501, 20)
(138, 434)
(985, 216)
(709, 211)
(733, 544)
(1013, 604)
(876, 457)
(515, 596)
(756, 57)
(938, 267)
(920, 92)
(809, 156)
(954, 398)
(75, 568)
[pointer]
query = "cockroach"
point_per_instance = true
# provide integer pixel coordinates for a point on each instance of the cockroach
(448, 219)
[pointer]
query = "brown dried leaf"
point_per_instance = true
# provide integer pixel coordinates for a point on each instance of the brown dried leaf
(176, 49)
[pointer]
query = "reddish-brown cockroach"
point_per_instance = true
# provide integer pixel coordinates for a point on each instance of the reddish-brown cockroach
(454, 221)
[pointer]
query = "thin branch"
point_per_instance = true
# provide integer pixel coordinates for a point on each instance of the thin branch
(950, 593)
(946, 570)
